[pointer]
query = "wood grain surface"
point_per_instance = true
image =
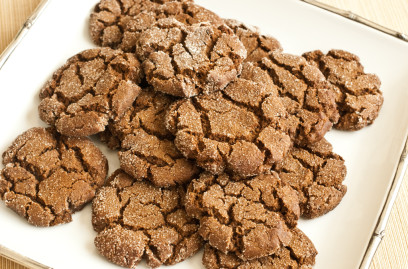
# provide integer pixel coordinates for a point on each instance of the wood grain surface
(393, 251)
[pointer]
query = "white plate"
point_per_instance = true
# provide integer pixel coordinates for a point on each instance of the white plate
(371, 154)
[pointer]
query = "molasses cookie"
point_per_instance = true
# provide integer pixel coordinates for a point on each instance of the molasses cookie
(147, 148)
(317, 174)
(249, 218)
(358, 94)
(147, 112)
(93, 87)
(256, 44)
(186, 60)
(300, 253)
(306, 95)
(136, 220)
(241, 129)
(47, 176)
(118, 23)
(186, 13)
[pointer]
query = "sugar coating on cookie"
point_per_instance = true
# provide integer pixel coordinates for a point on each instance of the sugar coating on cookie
(108, 22)
(147, 150)
(47, 177)
(136, 220)
(256, 44)
(299, 253)
(93, 87)
(184, 12)
(249, 218)
(358, 95)
(147, 112)
(317, 173)
(183, 60)
(241, 129)
(305, 93)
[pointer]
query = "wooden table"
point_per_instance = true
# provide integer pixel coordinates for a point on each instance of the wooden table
(393, 251)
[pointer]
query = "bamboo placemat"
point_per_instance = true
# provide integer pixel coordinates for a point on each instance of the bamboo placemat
(393, 251)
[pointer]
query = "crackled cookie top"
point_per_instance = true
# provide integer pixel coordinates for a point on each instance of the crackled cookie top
(146, 156)
(47, 176)
(117, 23)
(93, 87)
(147, 112)
(186, 13)
(358, 94)
(256, 44)
(306, 95)
(136, 220)
(147, 150)
(300, 253)
(184, 60)
(240, 129)
(317, 174)
(249, 218)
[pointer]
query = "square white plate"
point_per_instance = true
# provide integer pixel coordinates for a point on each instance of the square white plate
(371, 154)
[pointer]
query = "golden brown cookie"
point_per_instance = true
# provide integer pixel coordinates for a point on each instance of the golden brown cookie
(306, 95)
(241, 129)
(300, 253)
(47, 177)
(317, 173)
(136, 220)
(183, 60)
(358, 95)
(256, 44)
(250, 218)
(93, 87)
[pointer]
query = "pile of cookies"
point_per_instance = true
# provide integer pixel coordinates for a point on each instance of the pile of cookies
(219, 133)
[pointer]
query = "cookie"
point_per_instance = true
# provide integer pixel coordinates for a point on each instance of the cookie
(136, 220)
(256, 44)
(306, 94)
(300, 253)
(93, 87)
(358, 94)
(147, 148)
(249, 218)
(148, 157)
(147, 112)
(186, 13)
(183, 60)
(117, 24)
(317, 173)
(47, 177)
(240, 129)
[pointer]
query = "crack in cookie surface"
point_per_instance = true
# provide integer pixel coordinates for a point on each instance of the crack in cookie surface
(93, 87)
(47, 177)
(358, 94)
(136, 219)
(317, 174)
(250, 218)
